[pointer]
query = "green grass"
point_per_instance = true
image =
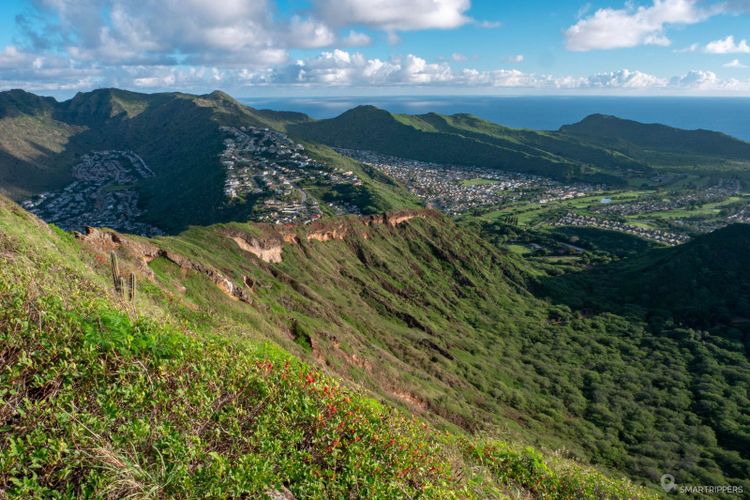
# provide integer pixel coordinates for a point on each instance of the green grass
(534, 213)
(519, 249)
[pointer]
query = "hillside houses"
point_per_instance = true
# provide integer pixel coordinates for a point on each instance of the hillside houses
(267, 164)
(456, 189)
(665, 237)
(103, 194)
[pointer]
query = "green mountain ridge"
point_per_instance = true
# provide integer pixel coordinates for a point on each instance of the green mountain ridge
(599, 149)
(431, 138)
(42, 139)
(16, 102)
(613, 131)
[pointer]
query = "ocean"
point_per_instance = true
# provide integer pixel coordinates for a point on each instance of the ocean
(728, 115)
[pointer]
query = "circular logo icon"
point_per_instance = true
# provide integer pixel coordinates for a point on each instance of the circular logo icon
(667, 482)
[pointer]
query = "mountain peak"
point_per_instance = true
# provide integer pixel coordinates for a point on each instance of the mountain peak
(365, 110)
(220, 95)
(18, 101)
(608, 130)
(106, 104)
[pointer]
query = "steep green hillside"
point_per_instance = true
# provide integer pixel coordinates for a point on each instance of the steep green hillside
(660, 145)
(109, 398)
(30, 140)
(703, 284)
(429, 316)
(17, 102)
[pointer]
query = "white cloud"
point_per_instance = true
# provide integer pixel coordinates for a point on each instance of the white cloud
(356, 39)
(155, 81)
(12, 57)
(458, 57)
(694, 47)
(728, 46)
(623, 79)
(341, 68)
(735, 64)
(502, 78)
(309, 33)
(633, 26)
(161, 77)
(696, 79)
(152, 31)
(27, 70)
(518, 58)
(395, 15)
(488, 25)
(338, 68)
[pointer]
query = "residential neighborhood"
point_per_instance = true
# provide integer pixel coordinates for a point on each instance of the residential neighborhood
(659, 202)
(572, 219)
(268, 165)
(103, 194)
(456, 189)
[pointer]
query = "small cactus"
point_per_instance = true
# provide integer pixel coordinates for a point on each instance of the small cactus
(115, 271)
(131, 288)
(123, 290)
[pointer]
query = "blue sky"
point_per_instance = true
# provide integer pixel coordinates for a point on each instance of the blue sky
(340, 47)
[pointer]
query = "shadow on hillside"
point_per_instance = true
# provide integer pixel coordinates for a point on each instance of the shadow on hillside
(702, 284)
(594, 291)
(20, 176)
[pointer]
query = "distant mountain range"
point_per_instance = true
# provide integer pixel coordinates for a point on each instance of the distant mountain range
(599, 149)
(179, 137)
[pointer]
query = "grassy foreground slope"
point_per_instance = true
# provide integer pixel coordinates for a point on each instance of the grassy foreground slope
(431, 316)
(98, 400)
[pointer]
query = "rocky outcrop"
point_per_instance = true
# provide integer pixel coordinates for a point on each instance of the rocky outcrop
(399, 218)
(327, 234)
(269, 248)
(101, 240)
(107, 241)
(266, 250)
(222, 282)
